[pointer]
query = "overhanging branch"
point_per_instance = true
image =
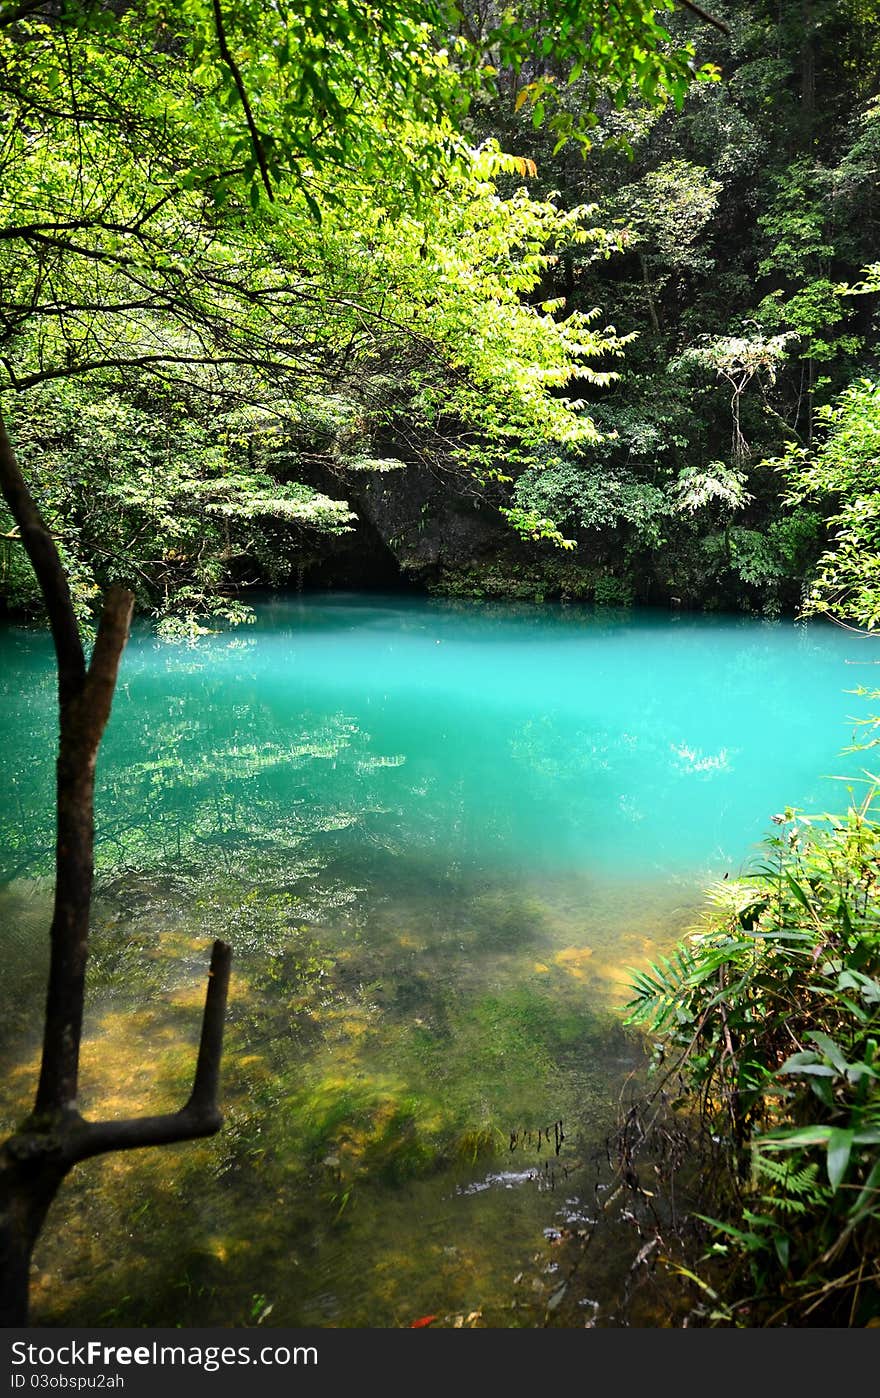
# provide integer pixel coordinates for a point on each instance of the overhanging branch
(256, 138)
(704, 16)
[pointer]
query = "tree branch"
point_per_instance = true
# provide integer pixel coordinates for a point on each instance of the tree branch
(139, 360)
(104, 664)
(704, 16)
(226, 55)
(46, 563)
(80, 225)
(201, 1115)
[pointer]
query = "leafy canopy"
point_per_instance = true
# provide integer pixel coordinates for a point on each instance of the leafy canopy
(127, 251)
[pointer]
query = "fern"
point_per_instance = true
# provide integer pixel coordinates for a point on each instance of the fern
(661, 990)
(796, 1182)
(789, 958)
(794, 1208)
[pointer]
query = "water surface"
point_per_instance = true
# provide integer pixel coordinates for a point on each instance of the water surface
(437, 834)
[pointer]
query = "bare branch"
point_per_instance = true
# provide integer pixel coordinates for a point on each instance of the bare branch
(201, 1115)
(706, 18)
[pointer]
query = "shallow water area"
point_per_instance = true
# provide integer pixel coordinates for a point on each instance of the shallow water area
(437, 835)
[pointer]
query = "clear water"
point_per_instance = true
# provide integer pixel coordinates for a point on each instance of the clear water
(437, 834)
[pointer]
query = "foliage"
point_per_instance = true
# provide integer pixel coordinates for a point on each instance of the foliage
(665, 213)
(771, 1016)
(737, 360)
(763, 557)
(138, 490)
(332, 303)
(530, 525)
(178, 200)
(308, 207)
(716, 484)
(669, 209)
(798, 227)
(741, 218)
(586, 497)
(330, 84)
(843, 468)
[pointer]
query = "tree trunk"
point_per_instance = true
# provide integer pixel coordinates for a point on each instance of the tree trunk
(808, 65)
(36, 1158)
(649, 295)
(25, 1196)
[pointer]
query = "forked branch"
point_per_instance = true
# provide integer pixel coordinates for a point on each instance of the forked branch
(201, 1115)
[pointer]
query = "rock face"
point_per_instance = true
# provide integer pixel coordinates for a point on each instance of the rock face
(428, 530)
(424, 529)
(433, 526)
(412, 526)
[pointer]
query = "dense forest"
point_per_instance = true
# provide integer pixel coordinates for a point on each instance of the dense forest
(613, 378)
(576, 304)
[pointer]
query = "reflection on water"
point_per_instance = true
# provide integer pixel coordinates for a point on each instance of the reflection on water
(437, 836)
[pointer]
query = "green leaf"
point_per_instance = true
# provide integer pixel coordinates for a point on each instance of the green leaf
(807, 1063)
(868, 1200)
(793, 1139)
(821, 1088)
(798, 892)
(830, 1049)
(840, 1143)
(314, 206)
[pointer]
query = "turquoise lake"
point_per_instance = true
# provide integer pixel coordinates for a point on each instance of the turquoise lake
(437, 834)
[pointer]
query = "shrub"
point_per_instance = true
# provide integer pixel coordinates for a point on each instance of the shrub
(771, 1016)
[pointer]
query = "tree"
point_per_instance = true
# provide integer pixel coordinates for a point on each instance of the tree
(842, 468)
(55, 1137)
(155, 162)
(666, 212)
